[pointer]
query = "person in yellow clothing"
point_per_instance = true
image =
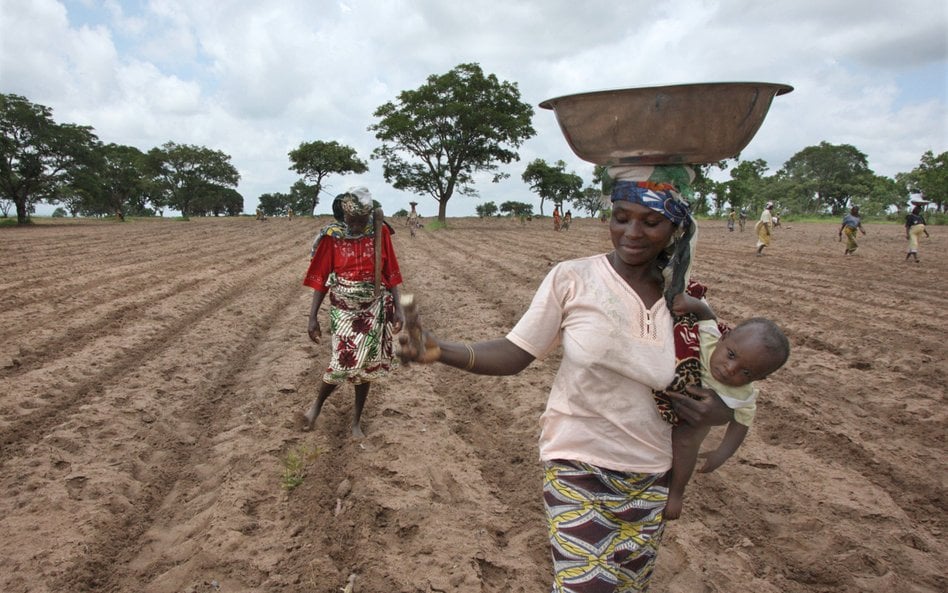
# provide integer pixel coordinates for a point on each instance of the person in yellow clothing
(764, 228)
(914, 228)
(851, 224)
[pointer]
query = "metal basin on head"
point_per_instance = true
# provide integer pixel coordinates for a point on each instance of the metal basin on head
(661, 125)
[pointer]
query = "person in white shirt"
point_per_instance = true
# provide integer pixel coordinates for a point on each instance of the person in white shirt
(606, 450)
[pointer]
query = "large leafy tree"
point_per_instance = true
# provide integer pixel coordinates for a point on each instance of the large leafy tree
(883, 194)
(513, 208)
(317, 160)
(303, 197)
(437, 137)
(745, 185)
(37, 155)
(486, 210)
(119, 180)
(553, 182)
(184, 173)
(274, 204)
(930, 178)
(217, 200)
(833, 173)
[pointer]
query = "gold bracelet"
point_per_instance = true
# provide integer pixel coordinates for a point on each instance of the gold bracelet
(470, 357)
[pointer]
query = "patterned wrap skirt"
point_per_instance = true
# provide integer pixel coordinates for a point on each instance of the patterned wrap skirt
(605, 526)
(361, 328)
(851, 245)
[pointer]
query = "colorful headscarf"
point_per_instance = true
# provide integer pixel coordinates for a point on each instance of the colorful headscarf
(664, 189)
(357, 201)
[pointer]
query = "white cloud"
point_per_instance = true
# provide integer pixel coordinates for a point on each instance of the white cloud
(256, 79)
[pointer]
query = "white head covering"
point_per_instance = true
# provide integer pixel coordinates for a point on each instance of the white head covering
(357, 200)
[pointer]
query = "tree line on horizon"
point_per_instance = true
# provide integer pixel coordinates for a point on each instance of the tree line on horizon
(434, 140)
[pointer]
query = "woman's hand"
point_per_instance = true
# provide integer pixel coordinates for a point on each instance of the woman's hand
(398, 322)
(706, 410)
(416, 345)
(314, 331)
(424, 349)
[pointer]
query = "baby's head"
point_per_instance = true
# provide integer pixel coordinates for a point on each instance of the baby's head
(749, 352)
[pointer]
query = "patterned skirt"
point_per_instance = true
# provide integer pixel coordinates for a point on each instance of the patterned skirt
(361, 328)
(851, 245)
(605, 526)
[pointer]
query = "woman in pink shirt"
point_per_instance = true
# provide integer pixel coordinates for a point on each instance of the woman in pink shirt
(605, 448)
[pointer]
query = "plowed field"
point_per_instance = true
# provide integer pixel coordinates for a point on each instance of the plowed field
(150, 374)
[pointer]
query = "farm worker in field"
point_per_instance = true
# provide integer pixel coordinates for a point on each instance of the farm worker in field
(605, 448)
(363, 315)
(414, 221)
(851, 223)
(567, 219)
(764, 228)
(727, 361)
(556, 218)
(914, 229)
(731, 219)
(742, 219)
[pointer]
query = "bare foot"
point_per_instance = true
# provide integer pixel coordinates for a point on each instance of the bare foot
(305, 421)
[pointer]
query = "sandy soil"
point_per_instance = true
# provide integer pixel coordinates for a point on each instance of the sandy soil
(150, 373)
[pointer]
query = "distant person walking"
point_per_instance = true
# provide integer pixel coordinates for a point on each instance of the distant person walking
(556, 218)
(764, 228)
(914, 228)
(742, 219)
(851, 224)
(567, 219)
(730, 221)
(414, 221)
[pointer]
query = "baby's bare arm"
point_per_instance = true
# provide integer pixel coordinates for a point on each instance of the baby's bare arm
(685, 303)
(733, 437)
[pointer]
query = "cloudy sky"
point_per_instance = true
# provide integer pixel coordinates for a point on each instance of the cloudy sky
(255, 79)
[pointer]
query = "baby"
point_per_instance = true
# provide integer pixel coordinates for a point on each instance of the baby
(729, 365)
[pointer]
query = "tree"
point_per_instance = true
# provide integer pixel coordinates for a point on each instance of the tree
(216, 200)
(118, 180)
(833, 173)
(746, 185)
(589, 200)
(317, 160)
(275, 204)
(884, 193)
(517, 208)
(37, 155)
(303, 197)
(184, 173)
(552, 182)
(487, 209)
(930, 179)
(437, 137)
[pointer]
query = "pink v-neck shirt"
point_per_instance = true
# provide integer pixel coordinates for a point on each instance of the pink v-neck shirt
(615, 352)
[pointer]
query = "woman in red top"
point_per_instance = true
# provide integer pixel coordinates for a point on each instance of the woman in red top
(361, 322)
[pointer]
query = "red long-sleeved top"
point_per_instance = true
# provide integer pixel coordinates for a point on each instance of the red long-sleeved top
(352, 259)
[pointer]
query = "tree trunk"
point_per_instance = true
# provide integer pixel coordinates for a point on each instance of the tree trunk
(22, 216)
(442, 210)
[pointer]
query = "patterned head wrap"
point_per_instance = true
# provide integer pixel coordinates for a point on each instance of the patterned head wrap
(357, 201)
(666, 190)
